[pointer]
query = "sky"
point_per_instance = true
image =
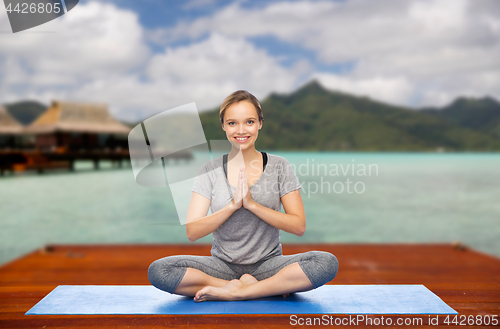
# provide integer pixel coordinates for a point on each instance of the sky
(145, 57)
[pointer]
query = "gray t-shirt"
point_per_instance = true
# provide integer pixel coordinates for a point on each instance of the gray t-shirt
(244, 238)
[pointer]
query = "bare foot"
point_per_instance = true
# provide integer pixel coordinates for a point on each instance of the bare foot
(231, 291)
(249, 279)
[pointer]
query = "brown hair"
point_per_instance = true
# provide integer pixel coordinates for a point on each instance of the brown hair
(238, 96)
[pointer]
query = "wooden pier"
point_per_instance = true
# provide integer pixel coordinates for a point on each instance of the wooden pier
(466, 280)
(42, 161)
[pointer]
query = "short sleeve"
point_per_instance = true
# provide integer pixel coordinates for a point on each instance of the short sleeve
(203, 183)
(288, 181)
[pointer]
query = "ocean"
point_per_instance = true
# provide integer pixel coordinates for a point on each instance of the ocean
(348, 198)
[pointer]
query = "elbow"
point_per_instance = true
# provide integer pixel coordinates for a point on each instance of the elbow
(190, 235)
(302, 227)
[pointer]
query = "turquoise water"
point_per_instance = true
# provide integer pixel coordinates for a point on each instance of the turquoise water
(417, 197)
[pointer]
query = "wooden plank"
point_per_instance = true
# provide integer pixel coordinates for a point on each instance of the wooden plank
(465, 279)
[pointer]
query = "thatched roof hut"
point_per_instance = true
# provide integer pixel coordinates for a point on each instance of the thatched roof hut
(64, 116)
(9, 125)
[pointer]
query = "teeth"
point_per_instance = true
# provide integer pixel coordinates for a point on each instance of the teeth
(241, 139)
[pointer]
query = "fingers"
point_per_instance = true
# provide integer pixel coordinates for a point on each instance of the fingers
(237, 199)
(239, 180)
(241, 184)
(243, 181)
(242, 175)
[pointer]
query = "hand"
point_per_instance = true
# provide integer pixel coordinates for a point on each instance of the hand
(246, 196)
(238, 196)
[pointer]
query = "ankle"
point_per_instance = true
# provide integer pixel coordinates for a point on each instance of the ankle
(241, 293)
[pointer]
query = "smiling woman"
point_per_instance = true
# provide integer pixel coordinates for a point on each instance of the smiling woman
(245, 189)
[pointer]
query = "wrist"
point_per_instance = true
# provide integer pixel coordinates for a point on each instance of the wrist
(251, 205)
(232, 206)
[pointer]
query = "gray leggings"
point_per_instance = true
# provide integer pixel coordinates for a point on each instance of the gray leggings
(166, 273)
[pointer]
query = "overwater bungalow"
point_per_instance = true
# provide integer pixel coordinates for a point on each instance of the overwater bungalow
(11, 131)
(71, 126)
(66, 132)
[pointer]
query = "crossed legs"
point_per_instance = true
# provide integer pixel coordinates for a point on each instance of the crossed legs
(209, 278)
(288, 280)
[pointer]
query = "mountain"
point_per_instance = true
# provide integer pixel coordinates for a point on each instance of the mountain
(313, 118)
(25, 111)
(480, 114)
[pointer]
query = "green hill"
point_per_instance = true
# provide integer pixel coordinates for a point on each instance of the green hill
(313, 118)
(480, 114)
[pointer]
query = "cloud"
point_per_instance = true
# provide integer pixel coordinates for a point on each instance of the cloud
(98, 53)
(224, 62)
(395, 90)
(443, 46)
(416, 52)
(95, 43)
(207, 71)
(204, 72)
(95, 40)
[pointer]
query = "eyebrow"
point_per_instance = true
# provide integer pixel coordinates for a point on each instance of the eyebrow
(245, 119)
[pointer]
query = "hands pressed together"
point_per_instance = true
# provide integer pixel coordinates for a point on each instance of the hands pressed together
(242, 196)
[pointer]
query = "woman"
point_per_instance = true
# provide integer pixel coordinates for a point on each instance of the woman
(245, 190)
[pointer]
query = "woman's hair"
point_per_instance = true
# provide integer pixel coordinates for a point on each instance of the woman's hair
(236, 97)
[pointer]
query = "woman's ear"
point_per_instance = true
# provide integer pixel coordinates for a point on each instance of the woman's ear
(223, 128)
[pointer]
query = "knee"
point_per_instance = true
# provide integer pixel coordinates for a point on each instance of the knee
(164, 275)
(155, 271)
(328, 262)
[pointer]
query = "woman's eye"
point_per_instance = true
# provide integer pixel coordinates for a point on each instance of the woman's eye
(250, 121)
(230, 123)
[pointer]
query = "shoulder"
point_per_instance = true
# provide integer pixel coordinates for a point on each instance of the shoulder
(285, 173)
(280, 165)
(277, 160)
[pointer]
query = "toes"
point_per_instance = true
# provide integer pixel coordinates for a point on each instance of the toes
(199, 295)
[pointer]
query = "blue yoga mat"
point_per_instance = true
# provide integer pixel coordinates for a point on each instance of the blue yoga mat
(328, 299)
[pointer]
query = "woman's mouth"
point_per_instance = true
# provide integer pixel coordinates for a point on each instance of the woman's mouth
(242, 140)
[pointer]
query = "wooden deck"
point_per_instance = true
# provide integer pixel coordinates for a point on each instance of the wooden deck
(466, 280)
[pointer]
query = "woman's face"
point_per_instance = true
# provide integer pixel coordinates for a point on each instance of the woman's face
(241, 124)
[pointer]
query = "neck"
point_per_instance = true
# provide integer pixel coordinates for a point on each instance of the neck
(245, 155)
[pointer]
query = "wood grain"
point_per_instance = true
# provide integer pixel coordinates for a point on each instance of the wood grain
(467, 280)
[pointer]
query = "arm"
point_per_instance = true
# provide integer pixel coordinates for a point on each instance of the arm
(198, 223)
(292, 221)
